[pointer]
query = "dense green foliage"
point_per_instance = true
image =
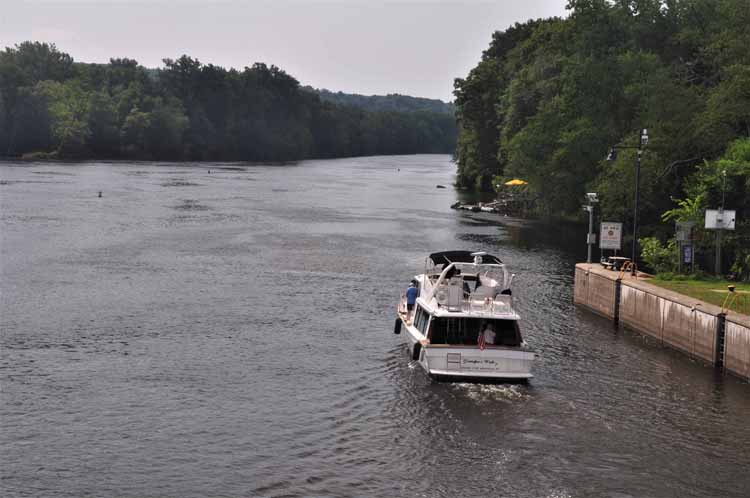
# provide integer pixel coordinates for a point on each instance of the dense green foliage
(726, 180)
(391, 102)
(549, 97)
(51, 106)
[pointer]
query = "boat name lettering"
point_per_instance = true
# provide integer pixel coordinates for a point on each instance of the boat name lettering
(478, 361)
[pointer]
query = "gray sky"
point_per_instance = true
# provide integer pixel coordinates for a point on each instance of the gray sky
(356, 46)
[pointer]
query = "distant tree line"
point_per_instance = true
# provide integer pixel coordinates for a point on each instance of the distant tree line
(549, 97)
(390, 102)
(51, 106)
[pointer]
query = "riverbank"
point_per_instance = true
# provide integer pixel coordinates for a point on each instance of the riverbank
(699, 329)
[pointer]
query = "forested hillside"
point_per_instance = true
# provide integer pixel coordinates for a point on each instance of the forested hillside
(51, 106)
(391, 102)
(550, 97)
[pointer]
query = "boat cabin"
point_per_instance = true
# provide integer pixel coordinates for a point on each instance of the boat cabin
(465, 282)
(464, 331)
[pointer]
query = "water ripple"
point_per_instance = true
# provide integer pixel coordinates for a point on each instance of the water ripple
(237, 341)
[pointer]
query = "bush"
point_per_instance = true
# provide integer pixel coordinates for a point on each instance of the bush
(659, 259)
(741, 267)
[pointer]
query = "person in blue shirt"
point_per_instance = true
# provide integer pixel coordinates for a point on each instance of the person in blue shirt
(411, 298)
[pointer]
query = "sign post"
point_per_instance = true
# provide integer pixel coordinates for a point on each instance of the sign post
(684, 238)
(687, 256)
(590, 236)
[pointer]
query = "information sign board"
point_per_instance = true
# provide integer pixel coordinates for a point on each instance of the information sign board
(610, 236)
(687, 254)
(720, 219)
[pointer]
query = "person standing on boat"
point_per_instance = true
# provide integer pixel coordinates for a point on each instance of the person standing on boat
(488, 334)
(411, 298)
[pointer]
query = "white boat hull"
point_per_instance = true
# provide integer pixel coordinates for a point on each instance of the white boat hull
(468, 362)
(473, 362)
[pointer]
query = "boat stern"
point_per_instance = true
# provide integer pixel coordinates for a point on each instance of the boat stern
(477, 363)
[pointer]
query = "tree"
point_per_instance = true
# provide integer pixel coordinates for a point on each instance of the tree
(68, 108)
(50, 104)
(4, 119)
(39, 61)
(549, 97)
(30, 129)
(167, 124)
(104, 125)
(133, 133)
(727, 113)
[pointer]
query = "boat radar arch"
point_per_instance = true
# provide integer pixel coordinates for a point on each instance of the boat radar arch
(450, 265)
(478, 257)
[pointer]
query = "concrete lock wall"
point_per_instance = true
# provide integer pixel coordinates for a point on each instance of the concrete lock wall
(641, 311)
(680, 322)
(595, 290)
(580, 286)
(737, 345)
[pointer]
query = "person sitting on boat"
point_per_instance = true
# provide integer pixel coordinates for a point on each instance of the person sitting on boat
(411, 298)
(489, 334)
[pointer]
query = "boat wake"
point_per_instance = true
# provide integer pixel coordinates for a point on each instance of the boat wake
(493, 392)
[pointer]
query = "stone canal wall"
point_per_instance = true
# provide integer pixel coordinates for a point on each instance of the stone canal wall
(737, 344)
(596, 291)
(696, 328)
(686, 324)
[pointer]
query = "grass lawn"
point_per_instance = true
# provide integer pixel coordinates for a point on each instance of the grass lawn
(711, 291)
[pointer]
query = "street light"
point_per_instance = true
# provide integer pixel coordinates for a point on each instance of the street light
(642, 142)
(591, 236)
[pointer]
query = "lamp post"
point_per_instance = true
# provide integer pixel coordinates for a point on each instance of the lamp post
(717, 263)
(642, 142)
(590, 236)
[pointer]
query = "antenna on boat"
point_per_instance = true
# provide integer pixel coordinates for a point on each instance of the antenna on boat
(478, 257)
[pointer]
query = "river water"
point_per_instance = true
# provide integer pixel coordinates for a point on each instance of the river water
(229, 333)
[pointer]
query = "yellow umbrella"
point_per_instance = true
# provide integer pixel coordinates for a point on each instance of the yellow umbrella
(516, 181)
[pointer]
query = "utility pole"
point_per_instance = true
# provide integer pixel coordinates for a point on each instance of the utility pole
(720, 222)
(717, 263)
(590, 236)
(634, 254)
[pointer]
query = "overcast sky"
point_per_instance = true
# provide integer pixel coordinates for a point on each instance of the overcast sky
(356, 46)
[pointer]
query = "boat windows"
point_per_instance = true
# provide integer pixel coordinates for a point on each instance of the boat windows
(421, 319)
(465, 331)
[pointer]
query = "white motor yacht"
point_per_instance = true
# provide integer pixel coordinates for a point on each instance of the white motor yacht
(463, 324)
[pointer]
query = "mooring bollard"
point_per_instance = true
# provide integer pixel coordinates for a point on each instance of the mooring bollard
(100, 193)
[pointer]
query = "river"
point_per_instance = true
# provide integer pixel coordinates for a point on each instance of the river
(227, 333)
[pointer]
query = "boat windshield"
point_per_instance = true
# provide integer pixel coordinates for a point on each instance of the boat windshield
(465, 331)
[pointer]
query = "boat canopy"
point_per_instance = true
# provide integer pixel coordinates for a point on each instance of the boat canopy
(445, 258)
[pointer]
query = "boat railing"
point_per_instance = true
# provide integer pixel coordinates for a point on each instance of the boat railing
(499, 305)
(474, 302)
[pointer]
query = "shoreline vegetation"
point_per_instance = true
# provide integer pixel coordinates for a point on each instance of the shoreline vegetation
(50, 157)
(54, 108)
(550, 97)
